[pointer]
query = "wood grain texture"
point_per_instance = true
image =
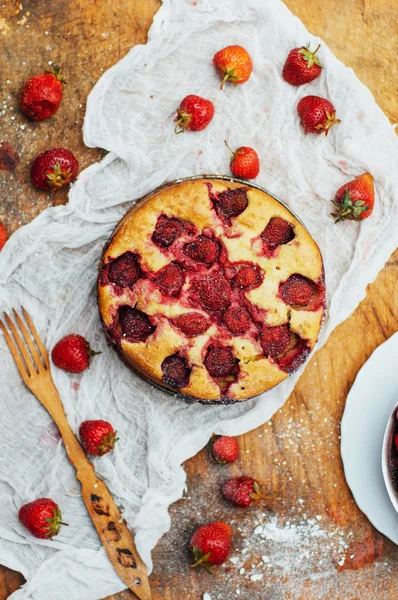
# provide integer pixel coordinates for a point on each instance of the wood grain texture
(298, 453)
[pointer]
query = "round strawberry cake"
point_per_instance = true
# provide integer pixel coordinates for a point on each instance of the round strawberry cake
(212, 288)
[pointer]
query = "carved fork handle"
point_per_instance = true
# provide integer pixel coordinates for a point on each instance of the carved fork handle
(110, 525)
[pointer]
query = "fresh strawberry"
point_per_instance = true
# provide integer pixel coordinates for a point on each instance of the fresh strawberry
(97, 437)
(242, 491)
(3, 236)
(72, 354)
(244, 162)
(317, 115)
(42, 517)
(234, 64)
(223, 449)
(301, 66)
(355, 200)
(41, 95)
(53, 169)
(211, 544)
(195, 113)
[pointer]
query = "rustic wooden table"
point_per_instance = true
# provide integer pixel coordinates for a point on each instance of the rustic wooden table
(314, 521)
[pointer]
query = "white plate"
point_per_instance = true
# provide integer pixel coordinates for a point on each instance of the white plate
(369, 405)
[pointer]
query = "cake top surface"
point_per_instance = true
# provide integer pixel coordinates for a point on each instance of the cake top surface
(213, 288)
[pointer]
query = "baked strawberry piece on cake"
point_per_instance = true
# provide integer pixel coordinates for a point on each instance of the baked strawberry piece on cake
(213, 289)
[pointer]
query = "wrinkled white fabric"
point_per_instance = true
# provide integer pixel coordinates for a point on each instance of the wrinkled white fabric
(49, 266)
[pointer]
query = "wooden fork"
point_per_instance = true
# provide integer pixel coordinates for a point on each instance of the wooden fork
(32, 361)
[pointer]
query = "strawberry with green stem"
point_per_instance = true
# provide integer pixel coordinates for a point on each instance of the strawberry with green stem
(42, 517)
(211, 544)
(302, 66)
(355, 200)
(53, 169)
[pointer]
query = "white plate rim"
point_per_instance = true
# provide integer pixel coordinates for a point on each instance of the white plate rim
(345, 446)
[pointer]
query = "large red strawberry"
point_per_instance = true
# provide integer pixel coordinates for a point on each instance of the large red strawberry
(244, 162)
(42, 517)
(41, 95)
(234, 64)
(317, 115)
(53, 169)
(301, 66)
(242, 491)
(98, 437)
(72, 353)
(3, 236)
(223, 449)
(195, 113)
(355, 199)
(211, 544)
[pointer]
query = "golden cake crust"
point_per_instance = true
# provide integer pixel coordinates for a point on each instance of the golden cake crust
(196, 202)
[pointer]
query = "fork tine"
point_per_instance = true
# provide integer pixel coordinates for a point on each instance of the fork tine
(24, 353)
(15, 354)
(28, 340)
(37, 338)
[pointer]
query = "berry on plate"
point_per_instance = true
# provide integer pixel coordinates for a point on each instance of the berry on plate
(3, 236)
(72, 353)
(97, 437)
(244, 162)
(223, 449)
(301, 66)
(42, 517)
(234, 64)
(355, 199)
(41, 95)
(317, 115)
(194, 114)
(242, 491)
(53, 169)
(211, 544)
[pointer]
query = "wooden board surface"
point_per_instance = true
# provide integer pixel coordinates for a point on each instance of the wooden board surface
(297, 454)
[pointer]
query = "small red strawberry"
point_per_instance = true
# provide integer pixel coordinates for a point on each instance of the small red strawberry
(242, 491)
(317, 115)
(211, 544)
(42, 517)
(195, 113)
(223, 449)
(72, 353)
(41, 95)
(3, 236)
(355, 199)
(244, 162)
(98, 437)
(53, 169)
(301, 66)
(234, 64)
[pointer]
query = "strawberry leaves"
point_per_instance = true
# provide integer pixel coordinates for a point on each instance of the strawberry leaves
(310, 57)
(348, 208)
